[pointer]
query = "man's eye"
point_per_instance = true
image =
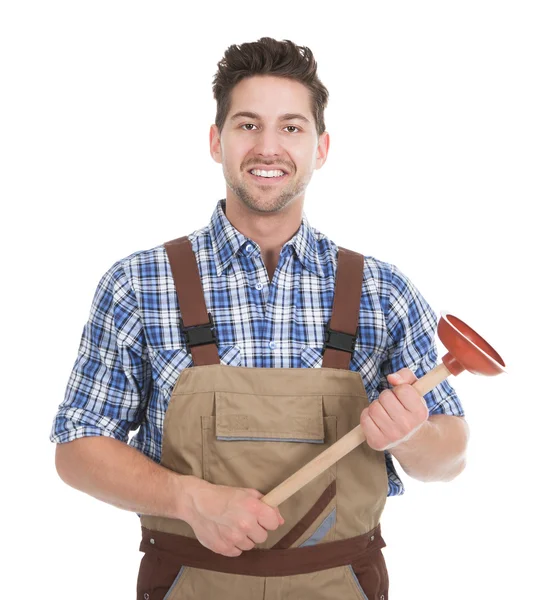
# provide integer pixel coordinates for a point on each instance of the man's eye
(251, 126)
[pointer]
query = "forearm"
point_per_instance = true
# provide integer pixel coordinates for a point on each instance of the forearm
(436, 452)
(120, 475)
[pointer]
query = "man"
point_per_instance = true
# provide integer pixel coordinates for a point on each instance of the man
(169, 336)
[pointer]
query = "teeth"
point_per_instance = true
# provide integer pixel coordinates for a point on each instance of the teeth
(267, 173)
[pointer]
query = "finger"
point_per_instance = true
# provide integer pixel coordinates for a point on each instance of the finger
(396, 410)
(280, 519)
(224, 548)
(405, 415)
(403, 376)
(411, 400)
(268, 517)
(374, 436)
(389, 428)
(245, 544)
(258, 534)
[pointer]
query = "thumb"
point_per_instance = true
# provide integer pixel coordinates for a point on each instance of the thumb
(402, 376)
(254, 493)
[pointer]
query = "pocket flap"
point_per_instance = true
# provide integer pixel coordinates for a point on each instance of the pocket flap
(269, 418)
(312, 357)
(230, 355)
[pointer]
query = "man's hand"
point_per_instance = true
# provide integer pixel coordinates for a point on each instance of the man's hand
(229, 520)
(396, 414)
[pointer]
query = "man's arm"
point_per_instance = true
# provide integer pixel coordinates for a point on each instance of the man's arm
(429, 448)
(120, 475)
(107, 395)
(225, 519)
(436, 452)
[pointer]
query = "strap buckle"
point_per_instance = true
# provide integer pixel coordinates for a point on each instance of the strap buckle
(200, 335)
(339, 340)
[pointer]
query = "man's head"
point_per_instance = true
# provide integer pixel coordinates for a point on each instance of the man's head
(270, 117)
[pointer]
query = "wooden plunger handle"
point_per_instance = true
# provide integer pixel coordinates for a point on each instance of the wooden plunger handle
(343, 446)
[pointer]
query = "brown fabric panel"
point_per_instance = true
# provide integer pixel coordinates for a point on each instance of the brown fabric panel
(290, 538)
(346, 303)
(156, 576)
(371, 572)
(262, 563)
(190, 295)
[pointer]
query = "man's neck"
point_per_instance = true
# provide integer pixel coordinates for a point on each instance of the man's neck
(269, 230)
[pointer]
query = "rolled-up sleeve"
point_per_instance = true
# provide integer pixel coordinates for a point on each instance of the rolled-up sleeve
(412, 326)
(109, 385)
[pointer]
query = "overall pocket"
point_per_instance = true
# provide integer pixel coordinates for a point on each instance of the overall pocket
(258, 441)
(194, 583)
(330, 584)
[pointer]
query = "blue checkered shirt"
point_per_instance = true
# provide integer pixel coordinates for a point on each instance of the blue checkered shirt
(132, 347)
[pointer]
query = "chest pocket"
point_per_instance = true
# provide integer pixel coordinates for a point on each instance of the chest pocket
(241, 417)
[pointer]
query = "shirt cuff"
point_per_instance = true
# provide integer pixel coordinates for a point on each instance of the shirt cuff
(443, 400)
(73, 423)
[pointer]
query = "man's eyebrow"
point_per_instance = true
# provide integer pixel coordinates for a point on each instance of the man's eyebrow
(291, 116)
(286, 117)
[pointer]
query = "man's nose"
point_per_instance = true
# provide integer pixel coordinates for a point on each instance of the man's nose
(268, 143)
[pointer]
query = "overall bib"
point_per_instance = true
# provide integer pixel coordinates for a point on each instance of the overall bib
(254, 427)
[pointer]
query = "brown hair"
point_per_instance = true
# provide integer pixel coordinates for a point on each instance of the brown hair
(268, 57)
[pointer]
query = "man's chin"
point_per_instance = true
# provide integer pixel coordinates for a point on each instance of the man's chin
(265, 205)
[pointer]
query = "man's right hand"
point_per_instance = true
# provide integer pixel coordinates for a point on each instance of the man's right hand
(229, 520)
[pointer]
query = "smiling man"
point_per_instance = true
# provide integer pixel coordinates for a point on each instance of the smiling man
(242, 351)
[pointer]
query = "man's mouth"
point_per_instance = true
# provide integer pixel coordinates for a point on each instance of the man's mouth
(268, 176)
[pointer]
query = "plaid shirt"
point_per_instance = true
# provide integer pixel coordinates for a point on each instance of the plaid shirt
(132, 348)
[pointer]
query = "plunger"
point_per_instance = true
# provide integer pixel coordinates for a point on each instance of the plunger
(466, 351)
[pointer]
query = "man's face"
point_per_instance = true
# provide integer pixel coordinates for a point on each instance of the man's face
(270, 128)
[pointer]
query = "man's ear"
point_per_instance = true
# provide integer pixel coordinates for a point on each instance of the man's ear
(215, 144)
(322, 150)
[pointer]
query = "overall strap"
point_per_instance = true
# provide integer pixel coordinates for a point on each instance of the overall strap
(198, 326)
(342, 329)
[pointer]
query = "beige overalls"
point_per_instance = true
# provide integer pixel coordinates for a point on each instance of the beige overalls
(254, 427)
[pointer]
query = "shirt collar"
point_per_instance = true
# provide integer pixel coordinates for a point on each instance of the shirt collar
(227, 242)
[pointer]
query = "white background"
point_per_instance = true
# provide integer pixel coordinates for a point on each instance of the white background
(442, 162)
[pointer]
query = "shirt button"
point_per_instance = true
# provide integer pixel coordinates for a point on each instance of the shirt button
(259, 286)
(272, 345)
(248, 248)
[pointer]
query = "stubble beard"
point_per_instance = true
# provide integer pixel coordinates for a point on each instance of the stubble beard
(266, 201)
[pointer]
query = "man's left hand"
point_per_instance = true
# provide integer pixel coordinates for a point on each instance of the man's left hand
(396, 414)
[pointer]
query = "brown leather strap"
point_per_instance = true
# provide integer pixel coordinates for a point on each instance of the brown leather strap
(346, 304)
(262, 563)
(190, 296)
